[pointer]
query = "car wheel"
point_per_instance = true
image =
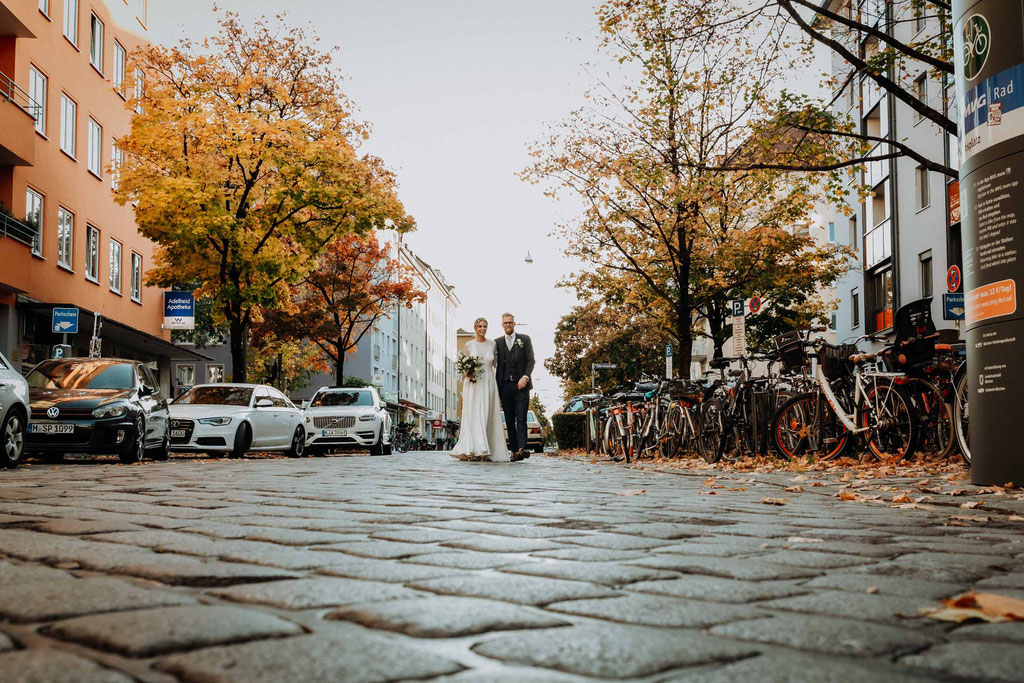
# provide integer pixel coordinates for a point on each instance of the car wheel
(298, 447)
(163, 451)
(12, 438)
(138, 447)
(377, 448)
(539, 448)
(243, 439)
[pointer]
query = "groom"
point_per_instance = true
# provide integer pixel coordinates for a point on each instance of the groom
(515, 365)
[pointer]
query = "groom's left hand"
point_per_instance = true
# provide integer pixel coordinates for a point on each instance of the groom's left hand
(523, 381)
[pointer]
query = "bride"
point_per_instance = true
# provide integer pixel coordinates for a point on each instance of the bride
(481, 437)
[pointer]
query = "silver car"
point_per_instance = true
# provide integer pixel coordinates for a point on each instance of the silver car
(13, 414)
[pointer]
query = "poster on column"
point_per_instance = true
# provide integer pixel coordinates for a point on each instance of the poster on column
(990, 83)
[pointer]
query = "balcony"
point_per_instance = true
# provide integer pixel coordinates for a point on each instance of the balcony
(20, 231)
(17, 124)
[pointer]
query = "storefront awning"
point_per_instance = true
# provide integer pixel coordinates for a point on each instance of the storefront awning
(121, 334)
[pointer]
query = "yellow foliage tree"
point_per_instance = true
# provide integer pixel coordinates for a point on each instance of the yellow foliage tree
(242, 164)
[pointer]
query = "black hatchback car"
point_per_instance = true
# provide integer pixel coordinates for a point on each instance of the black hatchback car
(97, 406)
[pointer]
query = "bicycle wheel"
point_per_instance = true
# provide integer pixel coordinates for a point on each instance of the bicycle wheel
(935, 437)
(611, 442)
(710, 431)
(961, 413)
(673, 432)
(889, 418)
(806, 425)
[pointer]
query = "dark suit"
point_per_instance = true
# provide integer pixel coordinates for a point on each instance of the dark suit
(513, 365)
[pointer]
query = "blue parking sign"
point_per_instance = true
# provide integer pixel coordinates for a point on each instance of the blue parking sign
(65, 320)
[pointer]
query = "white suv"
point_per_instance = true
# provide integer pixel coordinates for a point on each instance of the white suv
(347, 418)
(13, 414)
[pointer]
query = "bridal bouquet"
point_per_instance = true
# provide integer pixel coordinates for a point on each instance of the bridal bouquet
(469, 366)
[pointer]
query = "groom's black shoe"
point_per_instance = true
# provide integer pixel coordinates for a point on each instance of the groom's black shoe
(518, 455)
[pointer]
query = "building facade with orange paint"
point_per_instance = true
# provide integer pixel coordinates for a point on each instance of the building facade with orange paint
(65, 74)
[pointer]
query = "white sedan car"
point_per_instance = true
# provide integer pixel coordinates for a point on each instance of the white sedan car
(347, 418)
(236, 418)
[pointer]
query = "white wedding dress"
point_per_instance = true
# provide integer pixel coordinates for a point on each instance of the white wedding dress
(481, 436)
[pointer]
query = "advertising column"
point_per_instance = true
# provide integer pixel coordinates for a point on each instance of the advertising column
(989, 51)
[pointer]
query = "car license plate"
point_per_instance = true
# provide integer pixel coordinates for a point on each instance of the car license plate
(335, 432)
(177, 433)
(51, 428)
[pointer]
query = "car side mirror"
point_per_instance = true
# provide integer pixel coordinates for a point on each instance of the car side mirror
(146, 390)
(264, 403)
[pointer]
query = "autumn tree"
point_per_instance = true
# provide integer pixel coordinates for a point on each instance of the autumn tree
(354, 284)
(242, 163)
(875, 47)
(282, 361)
(654, 160)
(599, 331)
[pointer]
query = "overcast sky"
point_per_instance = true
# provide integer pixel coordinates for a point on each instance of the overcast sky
(455, 89)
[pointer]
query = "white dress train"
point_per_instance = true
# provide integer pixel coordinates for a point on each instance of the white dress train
(481, 435)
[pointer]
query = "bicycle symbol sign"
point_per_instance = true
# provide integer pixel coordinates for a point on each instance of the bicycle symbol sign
(953, 278)
(977, 41)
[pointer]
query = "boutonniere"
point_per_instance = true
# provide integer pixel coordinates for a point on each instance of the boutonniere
(519, 343)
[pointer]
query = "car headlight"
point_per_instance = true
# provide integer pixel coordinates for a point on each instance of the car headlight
(111, 410)
(367, 418)
(216, 421)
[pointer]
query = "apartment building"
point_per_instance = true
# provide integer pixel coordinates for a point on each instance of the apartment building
(65, 77)
(907, 232)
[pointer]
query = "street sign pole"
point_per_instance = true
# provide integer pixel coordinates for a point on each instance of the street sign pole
(739, 328)
(989, 58)
(668, 361)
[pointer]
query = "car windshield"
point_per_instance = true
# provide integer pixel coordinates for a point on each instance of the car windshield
(82, 374)
(216, 396)
(342, 398)
(531, 416)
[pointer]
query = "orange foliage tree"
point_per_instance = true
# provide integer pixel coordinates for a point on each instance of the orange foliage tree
(354, 284)
(242, 164)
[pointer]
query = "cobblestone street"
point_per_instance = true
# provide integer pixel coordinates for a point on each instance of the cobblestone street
(420, 567)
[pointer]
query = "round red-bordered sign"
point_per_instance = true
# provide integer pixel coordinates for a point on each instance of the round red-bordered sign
(953, 278)
(755, 304)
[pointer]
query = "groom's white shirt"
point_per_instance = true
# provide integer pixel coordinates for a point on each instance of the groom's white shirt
(510, 339)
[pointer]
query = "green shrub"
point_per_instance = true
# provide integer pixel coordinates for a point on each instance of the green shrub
(569, 430)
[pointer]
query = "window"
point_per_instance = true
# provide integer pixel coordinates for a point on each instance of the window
(44, 7)
(96, 43)
(95, 148)
(71, 21)
(116, 159)
(68, 114)
(831, 232)
(92, 253)
(37, 93)
(880, 300)
(853, 232)
(854, 307)
(140, 82)
(925, 269)
(214, 374)
(115, 266)
(136, 277)
(919, 15)
(186, 375)
(65, 237)
(921, 93)
(120, 60)
(923, 196)
(832, 323)
(34, 218)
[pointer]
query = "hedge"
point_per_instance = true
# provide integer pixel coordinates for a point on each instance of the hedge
(569, 430)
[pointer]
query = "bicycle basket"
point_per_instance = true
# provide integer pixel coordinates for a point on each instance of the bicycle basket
(791, 350)
(835, 359)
